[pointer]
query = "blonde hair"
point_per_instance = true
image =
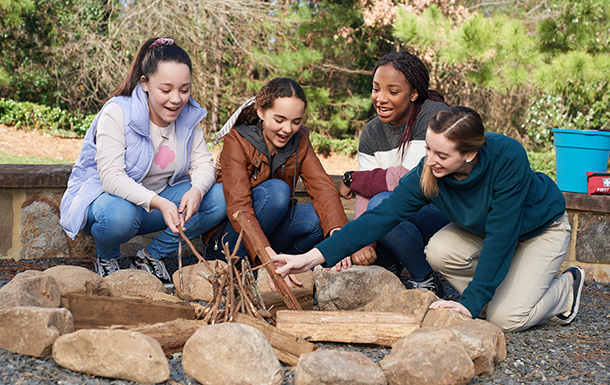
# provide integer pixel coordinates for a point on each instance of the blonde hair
(461, 125)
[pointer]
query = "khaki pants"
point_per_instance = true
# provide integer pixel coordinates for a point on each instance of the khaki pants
(531, 291)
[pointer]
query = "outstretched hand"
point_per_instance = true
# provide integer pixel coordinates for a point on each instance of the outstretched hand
(343, 264)
(453, 305)
(290, 279)
(293, 264)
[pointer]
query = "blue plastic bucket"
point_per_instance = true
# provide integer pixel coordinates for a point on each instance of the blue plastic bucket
(579, 151)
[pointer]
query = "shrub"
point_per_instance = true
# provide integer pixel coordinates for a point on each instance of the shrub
(325, 145)
(51, 119)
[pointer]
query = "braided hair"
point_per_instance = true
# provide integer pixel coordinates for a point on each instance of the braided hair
(417, 75)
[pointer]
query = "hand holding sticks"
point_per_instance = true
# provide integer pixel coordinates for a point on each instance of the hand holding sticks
(279, 283)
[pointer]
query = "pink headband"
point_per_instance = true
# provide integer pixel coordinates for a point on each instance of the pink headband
(161, 41)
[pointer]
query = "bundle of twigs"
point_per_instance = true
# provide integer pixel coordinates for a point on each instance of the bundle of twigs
(234, 287)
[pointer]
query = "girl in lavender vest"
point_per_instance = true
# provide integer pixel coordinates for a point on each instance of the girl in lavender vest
(144, 166)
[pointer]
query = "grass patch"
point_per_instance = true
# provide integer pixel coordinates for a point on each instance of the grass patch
(29, 159)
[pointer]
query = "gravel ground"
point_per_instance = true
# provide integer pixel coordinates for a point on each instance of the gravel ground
(575, 354)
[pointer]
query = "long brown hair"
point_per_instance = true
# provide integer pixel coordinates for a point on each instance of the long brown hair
(280, 87)
(417, 75)
(461, 125)
(154, 51)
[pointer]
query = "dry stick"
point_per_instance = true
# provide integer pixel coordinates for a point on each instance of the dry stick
(199, 257)
(233, 258)
(180, 264)
(254, 285)
(206, 309)
(247, 303)
(220, 317)
(229, 297)
(254, 293)
(281, 286)
(217, 298)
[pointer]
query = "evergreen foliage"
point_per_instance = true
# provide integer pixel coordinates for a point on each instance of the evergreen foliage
(560, 64)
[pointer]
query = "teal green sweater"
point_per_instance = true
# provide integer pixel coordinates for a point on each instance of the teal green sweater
(502, 200)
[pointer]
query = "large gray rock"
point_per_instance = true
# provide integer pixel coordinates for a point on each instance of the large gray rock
(42, 287)
(334, 367)
(443, 318)
(356, 288)
(413, 301)
(78, 280)
(12, 298)
(231, 354)
(133, 283)
(262, 280)
(483, 341)
(33, 330)
(428, 356)
(120, 354)
(195, 286)
(369, 288)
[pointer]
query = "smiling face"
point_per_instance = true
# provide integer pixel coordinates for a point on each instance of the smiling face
(444, 159)
(281, 122)
(168, 91)
(392, 95)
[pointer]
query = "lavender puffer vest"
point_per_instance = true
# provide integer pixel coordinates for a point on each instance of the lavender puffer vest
(84, 184)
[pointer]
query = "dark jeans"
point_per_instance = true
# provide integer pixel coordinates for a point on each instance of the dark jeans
(404, 245)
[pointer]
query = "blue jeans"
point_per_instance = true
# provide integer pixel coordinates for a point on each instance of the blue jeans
(272, 208)
(404, 245)
(113, 221)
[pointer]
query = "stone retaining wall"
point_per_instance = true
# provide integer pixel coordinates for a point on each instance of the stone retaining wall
(30, 196)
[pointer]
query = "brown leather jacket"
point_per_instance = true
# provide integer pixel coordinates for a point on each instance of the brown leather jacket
(244, 164)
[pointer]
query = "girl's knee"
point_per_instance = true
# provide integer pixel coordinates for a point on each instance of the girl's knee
(507, 322)
(274, 193)
(120, 225)
(276, 187)
(435, 252)
(214, 205)
(377, 199)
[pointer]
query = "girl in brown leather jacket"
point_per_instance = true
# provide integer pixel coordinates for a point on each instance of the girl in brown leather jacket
(266, 149)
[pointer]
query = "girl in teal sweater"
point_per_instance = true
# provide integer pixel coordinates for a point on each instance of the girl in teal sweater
(509, 232)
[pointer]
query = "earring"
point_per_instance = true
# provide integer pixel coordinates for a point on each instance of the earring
(468, 160)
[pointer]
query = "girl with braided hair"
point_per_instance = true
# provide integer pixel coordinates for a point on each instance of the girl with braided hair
(144, 166)
(390, 145)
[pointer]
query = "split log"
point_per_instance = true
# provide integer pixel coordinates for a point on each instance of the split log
(275, 302)
(378, 328)
(279, 283)
(91, 311)
(172, 335)
(287, 347)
